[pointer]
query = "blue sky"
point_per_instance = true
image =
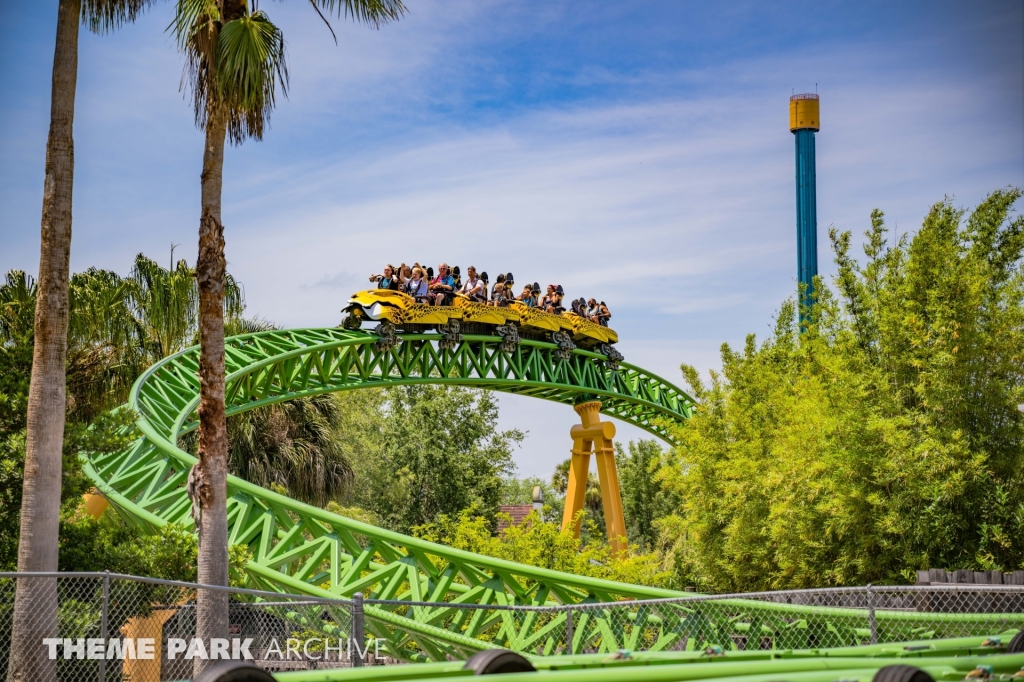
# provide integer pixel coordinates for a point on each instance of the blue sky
(637, 152)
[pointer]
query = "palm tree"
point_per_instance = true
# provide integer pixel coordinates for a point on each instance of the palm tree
(35, 602)
(165, 306)
(117, 326)
(120, 326)
(234, 62)
(103, 360)
(290, 447)
(293, 447)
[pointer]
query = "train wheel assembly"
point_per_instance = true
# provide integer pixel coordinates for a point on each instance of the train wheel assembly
(613, 355)
(565, 345)
(352, 321)
(386, 331)
(509, 337)
(452, 337)
(901, 673)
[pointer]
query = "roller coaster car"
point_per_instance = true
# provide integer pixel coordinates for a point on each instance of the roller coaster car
(394, 311)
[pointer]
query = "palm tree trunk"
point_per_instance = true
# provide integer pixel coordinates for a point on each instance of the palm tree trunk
(35, 602)
(212, 469)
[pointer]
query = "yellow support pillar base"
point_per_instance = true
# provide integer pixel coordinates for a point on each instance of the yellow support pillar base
(95, 504)
(595, 437)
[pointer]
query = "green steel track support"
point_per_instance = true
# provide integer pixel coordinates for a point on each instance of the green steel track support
(302, 549)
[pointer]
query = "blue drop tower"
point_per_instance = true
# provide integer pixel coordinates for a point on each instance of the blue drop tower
(804, 123)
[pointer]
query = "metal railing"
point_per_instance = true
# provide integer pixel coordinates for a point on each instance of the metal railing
(143, 629)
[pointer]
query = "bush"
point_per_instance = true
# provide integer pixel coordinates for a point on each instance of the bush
(885, 438)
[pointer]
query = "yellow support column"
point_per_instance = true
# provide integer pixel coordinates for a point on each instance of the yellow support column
(146, 627)
(597, 436)
(576, 492)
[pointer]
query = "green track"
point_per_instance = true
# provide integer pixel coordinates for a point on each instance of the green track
(952, 664)
(943, 660)
(301, 549)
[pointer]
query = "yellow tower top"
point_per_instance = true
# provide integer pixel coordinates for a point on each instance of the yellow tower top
(803, 112)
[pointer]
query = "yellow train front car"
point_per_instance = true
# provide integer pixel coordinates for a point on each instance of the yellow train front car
(394, 311)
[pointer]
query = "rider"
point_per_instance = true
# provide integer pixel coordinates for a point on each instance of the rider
(473, 287)
(498, 292)
(527, 296)
(404, 273)
(598, 312)
(442, 286)
(552, 301)
(416, 286)
(389, 280)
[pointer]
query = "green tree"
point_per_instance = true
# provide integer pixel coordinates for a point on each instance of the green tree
(235, 61)
(17, 307)
(520, 490)
(117, 327)
(109, 432)
(644, 499)
(422, 451)
(542, 543)
(15, 366)
(164, 306)
(884, 439)
(110, 544)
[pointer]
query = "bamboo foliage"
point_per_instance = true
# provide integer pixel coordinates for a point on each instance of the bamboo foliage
(883, 439)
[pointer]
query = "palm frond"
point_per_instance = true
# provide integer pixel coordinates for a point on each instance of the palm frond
(250, 65)
(234, 297)
(99, 314)
(291, 444)
(373, 12)
(234, 326)
(324, 19)
(165, 305)
(195, 27)
(102, 16)
(191, 16)
(234, 64)
(17, 306)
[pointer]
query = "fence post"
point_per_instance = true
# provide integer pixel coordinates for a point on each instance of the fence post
(568, 632)
(872, 623)
(358, 637)
(104, 610)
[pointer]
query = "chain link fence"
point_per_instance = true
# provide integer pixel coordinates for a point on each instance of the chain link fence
(796, 619)
(125, 628)
(113, 628)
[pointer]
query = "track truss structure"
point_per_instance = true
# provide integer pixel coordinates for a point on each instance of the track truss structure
(269, 367)
(304, 549)
(298, 548)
